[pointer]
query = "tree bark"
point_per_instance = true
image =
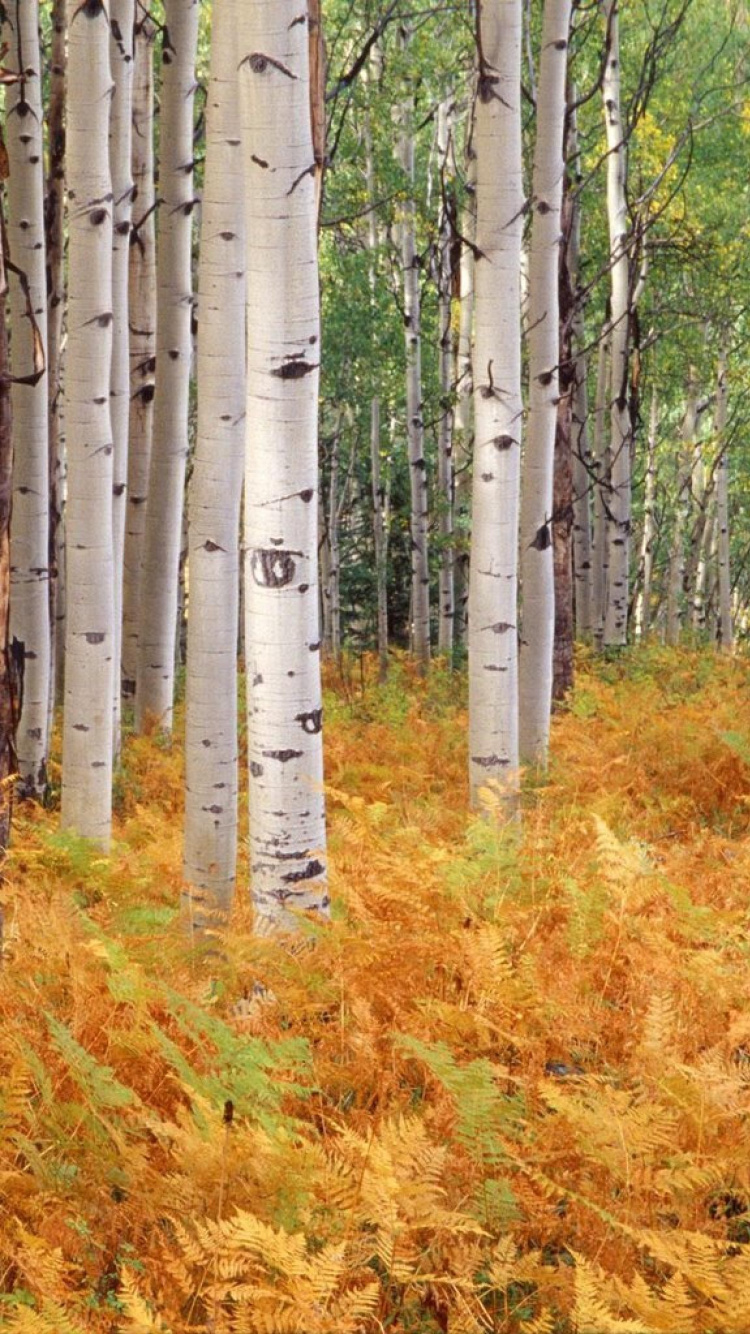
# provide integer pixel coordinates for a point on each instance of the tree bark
(54, 227)
(445, 150)
(498, 414)
(643, 607)
(89, 649)
(287, 811)
(462, 447)
(722, 509)
(537, 562)
(8, 695)
(677, 553)
(601, 490)
(30, 596)
(160, 569)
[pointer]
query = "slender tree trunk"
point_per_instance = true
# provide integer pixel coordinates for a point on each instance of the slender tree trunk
(160, 569)
(498, 414)
(722, 509)
(420, 571)
(122, 20)
(30, 605)
(287, 811)
(619, 498)
(677, 554)
(582, 459)
(54, 226)
(215, 492)
(89, 649)
(537, 564)
(142, 308)
(643, 609)
(8, 697)
(462, 448)
(334, 565)
(445, 150)
(601, 490)
(379, 528)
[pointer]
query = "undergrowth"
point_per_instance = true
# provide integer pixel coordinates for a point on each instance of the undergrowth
(506, 1090)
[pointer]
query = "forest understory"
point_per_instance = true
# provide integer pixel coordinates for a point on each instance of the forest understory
(505, 1089)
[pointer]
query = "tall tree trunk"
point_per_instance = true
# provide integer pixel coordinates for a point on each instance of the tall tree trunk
(30, 605)
(582, 459)
(215, 492)
(462, 446)
(445, 148)
(722, 509)
(8, 698)
(601, 490)
(379, 528)
(54, 227)
(87, 734)
(643, 606)
(142, 307)
(677, 553)
(285, 752)
(537, 566)
(160, 569)
(334, 548)
(420, 570)
(619, 497)
(498, 413)
(122, 20)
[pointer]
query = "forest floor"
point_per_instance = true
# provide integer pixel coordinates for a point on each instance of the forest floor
(507, 1089)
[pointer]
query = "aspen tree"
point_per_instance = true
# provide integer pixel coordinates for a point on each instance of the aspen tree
(619, 497)
(8, 719)
(684, 472)
(162, 541)
(122, 20)
(648, 537)
(446, 601)
(379, 524)
(287, 812)
(537, 573)
(493, 638)
(419, 523)
(464, 387)
(142, 318)
(30, 605)
(601, 490)
(722, 508)
(582, 460)
(215, 492)
(54, 228)
(89, 649)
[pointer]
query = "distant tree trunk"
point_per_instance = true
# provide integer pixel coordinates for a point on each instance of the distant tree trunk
(379, 528)
(498, 414)
(334, 566)
(538, 568)
(582, 460)
(30, 598)
(142, 305)
(601, 490)
(563, 511)
(722, 509)
(160, 568)
(677, 553)
(211, 777)
(287, 810)
(420, 572)
(619, 497)
(87, 734)
(643, 606)
(445, 148)
(462, 447)
(8, 710)
(122, 20)
(54, 226)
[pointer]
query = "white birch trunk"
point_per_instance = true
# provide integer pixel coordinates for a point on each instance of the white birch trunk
(334, 552)
(722, 509)
(215, 492)
(465, 390)
(122, 20)
(285, 752)
(160, 568)
(498, 413)
(619, 497)
(643, 607)
(601, 492)
(29, 571)
(537, 573)
(142, 306)
(379, 529)
(446, 615)
(420, 573)
(677, 553)
(87, 728)
(582, 457)
(55, 242)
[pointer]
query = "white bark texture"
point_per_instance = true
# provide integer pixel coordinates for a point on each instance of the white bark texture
(89, 648)
(285, 751)
(619, 498)
(29, 572)
(215, 495)
(445, 148)
(601, 493)
(722, 509)
(462, 445)
(55, 242)
(420, 570)
(498, 413)
(161, 550)
(682, 503)
(581, 444)
(537, 573)
(142, 318)
(122, 20)
(648, 537)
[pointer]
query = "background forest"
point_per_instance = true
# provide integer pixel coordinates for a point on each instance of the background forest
(373, 390)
